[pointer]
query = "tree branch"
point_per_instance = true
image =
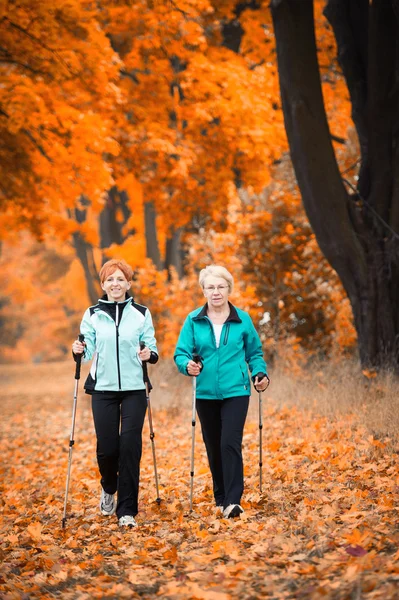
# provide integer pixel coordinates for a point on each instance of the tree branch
(42, 45)
(31, 137)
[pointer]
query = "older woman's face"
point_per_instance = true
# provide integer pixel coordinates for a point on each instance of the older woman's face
(216, 291)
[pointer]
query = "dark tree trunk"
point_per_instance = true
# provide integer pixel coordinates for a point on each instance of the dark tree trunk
(173, 254)
(349, 19)
(114, 217)
(151, 237)
(173, 250)
(353, 233)
(84, 252)
(232, 30)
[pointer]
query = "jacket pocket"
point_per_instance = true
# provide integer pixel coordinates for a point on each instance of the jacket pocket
(244, 378)
(134, 355)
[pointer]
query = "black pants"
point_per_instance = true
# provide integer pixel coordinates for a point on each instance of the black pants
(222, 423)
(118, 420)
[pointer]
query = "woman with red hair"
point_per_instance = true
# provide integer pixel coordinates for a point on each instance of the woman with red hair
(113, 330)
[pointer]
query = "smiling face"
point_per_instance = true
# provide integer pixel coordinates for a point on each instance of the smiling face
(116, 286)
(216, 290)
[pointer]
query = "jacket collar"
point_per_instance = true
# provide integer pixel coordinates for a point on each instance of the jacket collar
(104, 300)
(113, 309)
(233, 316)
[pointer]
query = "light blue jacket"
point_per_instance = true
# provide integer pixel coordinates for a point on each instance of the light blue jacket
(113, 332)
(225, 370)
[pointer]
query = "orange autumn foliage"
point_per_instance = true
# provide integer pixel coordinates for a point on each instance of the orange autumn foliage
(149, 96)
(198, 113)
(57, 94)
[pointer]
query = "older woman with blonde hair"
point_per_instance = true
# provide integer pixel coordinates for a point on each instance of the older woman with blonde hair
(228, 343)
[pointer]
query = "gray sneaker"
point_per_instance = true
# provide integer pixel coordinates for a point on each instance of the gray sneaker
(127, 521)
(107, 503)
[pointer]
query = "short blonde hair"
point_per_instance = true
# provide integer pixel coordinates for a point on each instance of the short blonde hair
(113, 265)
(216, 271)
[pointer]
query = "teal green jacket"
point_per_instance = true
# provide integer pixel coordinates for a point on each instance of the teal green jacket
(225, 369)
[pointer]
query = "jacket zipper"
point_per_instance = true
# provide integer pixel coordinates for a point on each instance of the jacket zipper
(226, 334)
(117, 345)
(217, 389)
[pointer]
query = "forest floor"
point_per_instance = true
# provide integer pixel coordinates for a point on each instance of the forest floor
(325, 526)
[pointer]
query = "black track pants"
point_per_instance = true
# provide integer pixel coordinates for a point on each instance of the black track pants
(118, 420)
(222, 423)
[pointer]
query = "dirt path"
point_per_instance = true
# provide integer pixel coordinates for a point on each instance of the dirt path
(326, 525)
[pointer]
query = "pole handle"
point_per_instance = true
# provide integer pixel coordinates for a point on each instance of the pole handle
(145, 370)
(261, 379)
(81, 338)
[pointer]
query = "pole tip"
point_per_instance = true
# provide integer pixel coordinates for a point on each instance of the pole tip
(158, 500)
(63, 523)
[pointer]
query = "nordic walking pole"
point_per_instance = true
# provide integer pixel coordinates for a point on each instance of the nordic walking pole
(81, 338)
(260, 435)
(260, 441)
(148, 388)
(197, 359)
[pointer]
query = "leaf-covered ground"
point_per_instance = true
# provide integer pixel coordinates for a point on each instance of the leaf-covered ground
(326, 525)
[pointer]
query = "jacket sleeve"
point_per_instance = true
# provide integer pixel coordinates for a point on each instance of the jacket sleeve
(86, 327)
(185, 346)
(147, 336)
(253, 350)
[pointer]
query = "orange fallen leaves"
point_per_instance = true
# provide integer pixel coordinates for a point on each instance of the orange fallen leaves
(323, 528)
(35, 531)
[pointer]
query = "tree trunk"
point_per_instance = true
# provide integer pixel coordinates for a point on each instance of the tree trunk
(349, 19)
(232, 30)
(112, 223)
(84, 252)
(352, 236)
(173, 256)
(151, 238)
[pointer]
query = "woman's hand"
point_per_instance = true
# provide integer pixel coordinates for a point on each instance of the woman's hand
(78, 347)
(193, 368)
(145, 354)
(261, 384)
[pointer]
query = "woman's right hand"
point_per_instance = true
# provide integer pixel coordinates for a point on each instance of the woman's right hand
(78, 347)
(193, 368)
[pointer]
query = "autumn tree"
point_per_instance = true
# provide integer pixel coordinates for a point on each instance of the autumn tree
(187, 131)
(132, 129)
(281, 276)
(177, 96)
(356, 228)
(57, 95)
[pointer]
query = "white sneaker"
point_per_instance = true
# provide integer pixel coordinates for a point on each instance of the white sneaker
(232, 510)
(127, 521)
(107, 503)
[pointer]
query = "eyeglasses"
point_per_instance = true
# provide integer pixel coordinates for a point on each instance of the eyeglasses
(212, 288)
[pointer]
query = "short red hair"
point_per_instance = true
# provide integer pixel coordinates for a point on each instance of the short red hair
(113, 265)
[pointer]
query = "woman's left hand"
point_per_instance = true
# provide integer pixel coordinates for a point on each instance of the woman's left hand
(145, 354)
(262, 384)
